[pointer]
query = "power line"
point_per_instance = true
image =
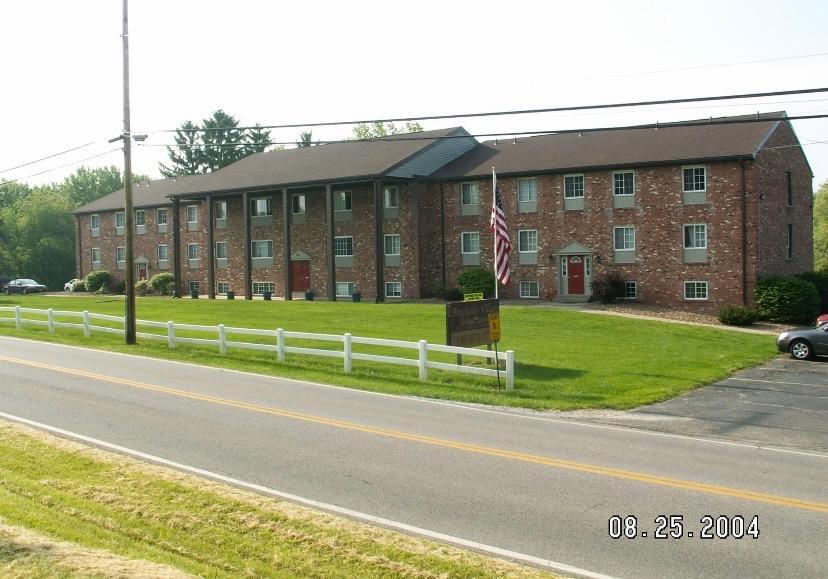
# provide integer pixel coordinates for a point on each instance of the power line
(511, 112)
(60, 167)
(706, 66)
(48, 157)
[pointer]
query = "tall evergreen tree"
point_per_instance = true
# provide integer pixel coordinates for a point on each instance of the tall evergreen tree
(375, 130)
(185, 157)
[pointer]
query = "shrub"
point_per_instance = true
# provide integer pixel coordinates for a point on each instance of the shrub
(820, 281)
(96, 281)
(117, 286)
(737, 315)
(162, 282)
(142, 287)
(478, 280)
(78, 286)
(787, 299)
(608, 287)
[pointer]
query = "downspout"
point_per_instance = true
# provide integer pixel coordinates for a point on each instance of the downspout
(443, 233)
(744, 236)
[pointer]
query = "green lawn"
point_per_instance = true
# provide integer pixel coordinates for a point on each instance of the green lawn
(564, 360)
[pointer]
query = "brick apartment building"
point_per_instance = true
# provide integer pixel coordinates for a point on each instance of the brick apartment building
(690, 215)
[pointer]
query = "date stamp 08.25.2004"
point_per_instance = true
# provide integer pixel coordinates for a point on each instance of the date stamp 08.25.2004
(675, 527)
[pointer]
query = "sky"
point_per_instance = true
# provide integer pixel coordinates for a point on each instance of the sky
(274, 62)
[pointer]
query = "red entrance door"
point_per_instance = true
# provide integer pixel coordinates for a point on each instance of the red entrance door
(300, 276)
(141, 271)
(576, 275)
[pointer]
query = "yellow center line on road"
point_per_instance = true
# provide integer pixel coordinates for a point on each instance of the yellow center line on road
(452, 444)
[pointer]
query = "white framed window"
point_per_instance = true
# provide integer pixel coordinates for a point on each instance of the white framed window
(573, 186)
(588, 266)
(343, 245)
(221, 209)
(469, 194)
(392, 244)
(140, 217)
(624, 238)
(260, 287)
(261, 207)
(391, 197)
(120, 219)
(298, 205)
(194, 286)
(527, 190)
(96, 255)
(342, 200)
(623, 183)
(221, 250)
(193, 251)
(95, 222)
(564, 262)
(630, 290)
(222, 287)
(393, 289)
(160, 216)
(261, 248)
(695, 290)
(527, 241)
(192, 213)
(695, 236)
(694, 179)
(529, 289)
(470, 242)
(344, 289)
(162, 252)
(120, 254)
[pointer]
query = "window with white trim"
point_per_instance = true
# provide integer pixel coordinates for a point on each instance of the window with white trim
(529, 289)
(120, 254)
(623, 183)
(221, 250)
(630, 290)
(470, 242)
(260, 287)
(140, 217)
(120, 219)
(261, 207)
(193, 251)
(221, 209)
(342, 200)
(527, 241)
(391, 197)
(261, 248)
(695, 236)
(624, 238)
(160, 216)
(392, 244)
(162, 252)
(343, 245)
(695, 290)
(298, 205)
(94, 222)
(192, 213)
(222, 287)
(96, 255)
(573, 186)
(469, 194)
(393, 289)
(695, 179)
(344, 289)
(527, 190)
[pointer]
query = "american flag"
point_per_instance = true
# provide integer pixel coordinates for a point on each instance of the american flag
(503, 246)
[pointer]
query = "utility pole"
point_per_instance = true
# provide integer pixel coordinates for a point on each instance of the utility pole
(126, 136)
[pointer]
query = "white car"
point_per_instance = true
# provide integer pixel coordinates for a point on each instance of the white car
(67, 287)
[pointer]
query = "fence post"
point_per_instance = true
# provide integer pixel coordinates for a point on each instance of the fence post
(510, 369)
(347, 356)
(171, 335)
(423, 349)
(50, 317)
(18, 321)
(280, 343)
(86, 330)
(222, 340)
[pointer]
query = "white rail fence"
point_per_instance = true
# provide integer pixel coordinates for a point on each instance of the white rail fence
(280, 346)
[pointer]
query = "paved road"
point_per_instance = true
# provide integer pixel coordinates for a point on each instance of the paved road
(539, 486)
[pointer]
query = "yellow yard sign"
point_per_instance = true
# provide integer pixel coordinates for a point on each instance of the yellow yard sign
(494, 327)
(472, 297)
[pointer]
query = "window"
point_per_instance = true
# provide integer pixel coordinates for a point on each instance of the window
(789, 240)
(263, 248)
(221, 209)
(528, 241)
(298, 205)
(96, 255)
(162, 253)
(527, 190)
(343, 245)
(140, 218)
(470, 242)
(95, 222)
(393, 289)
(120, 219)
(193, 286)
(695, 236)
(342, 200)
(624, 238)
(623, 183)
(192, 213)
(120, 254)
(695, 179)
(695, 290)
(344, 289)
(261, 207)
(161, 216)
(529, 289)
(630, 290)
(789, 187)
(563, 266)
(222, 287)
(392, 244)
(469, 194)
(391, 197)
(573, 186)
(221, 250)
(260, 287)
(193, 251)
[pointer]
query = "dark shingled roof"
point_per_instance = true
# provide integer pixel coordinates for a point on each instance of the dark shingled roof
(150, 194)
(612, 149)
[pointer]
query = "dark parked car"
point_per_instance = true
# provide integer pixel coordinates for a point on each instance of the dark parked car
(3, 281)
(804, 343)
(24, 286)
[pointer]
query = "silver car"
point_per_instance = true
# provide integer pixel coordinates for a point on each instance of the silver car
(804, 343)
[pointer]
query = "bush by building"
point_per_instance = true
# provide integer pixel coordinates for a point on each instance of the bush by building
(162, 282)
(478, 280)
(98, 281)
(820, 281)
(738, 315)
(787, 299)
(608, 288)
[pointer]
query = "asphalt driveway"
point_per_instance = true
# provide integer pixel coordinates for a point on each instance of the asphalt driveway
(783, 403)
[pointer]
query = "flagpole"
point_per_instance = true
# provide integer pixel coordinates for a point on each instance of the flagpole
(494, 234)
